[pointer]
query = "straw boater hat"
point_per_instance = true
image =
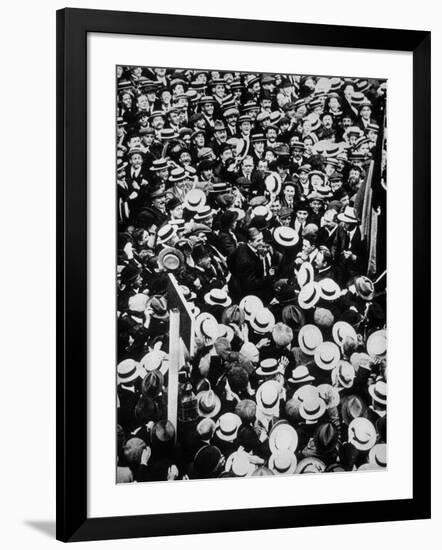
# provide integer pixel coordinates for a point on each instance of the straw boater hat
(309, 295)
(330, 290)
(283, 463)
(227, 426)
(300, 374)
(267, 397)
(239, 464)
(224, 331)
(312, 408)
(310, 465)
(377, 344)
(309, 338)
(364, 288)
(343, 374)
(128, 371)
(273, 183)
(286, 236)
(332, 392)
(194, 199)
(268, 367)
(158, 304)
(166, 233)
(361, 434)
(177, 174)
(262, 321)
(305, 392)
(217, 297)
(341, 331)
(188, 295)
(138, 302)
(283, 437)
(348, 216)
(159, 164)
(206, 327)
(155, 360)
(203, 213)
(305, 274)
(208, 404)
(378, 455)
(327, 356)
(250, 305)
(378, 392)
(170, 259)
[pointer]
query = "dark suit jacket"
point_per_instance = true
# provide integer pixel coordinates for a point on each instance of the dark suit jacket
(348, 268)
(248, 274)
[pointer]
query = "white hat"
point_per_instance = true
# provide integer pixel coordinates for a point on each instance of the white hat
(250, 352)
(268, 367)
(305, 274)
(377, 343)
(348, 215)
(378, 455)
(250, 304)
(343, 374)
(378, 392)
(155, 360)
(300, 374)
(262, 321)
(239, 464)
(267, 397)
(361, 434)
(285, 236)
(224, 331)
(330, 290)
(327, 355)
(332, 392)
(128, 371)
(194, 199)
(283, 437)
(262, 211)
(305, 392)
(138, 302)
(206, 326)
(217, 297)
(283, 463)
(273, 183)
(312, 408)
(342, 330)
(166, 233)
(227, 426)
(309, 338)
(309, 295)
(310, 465)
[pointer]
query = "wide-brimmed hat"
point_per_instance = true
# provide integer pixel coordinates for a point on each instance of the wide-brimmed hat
(267, 397)
(227, 426)
(166, 233)
(158, 304)
(239, 464)
(250, 305)
(138, 302)
(194, 199)
(273, 183)
(300, 375)
(177, 174)
(343, 330)
(217, 297)
(268, 367)
(330, 290)
(283, 463)
(283, 437)
(155, 360)
(159, 164)
(378, 455)
(285, 236)
(309, 295)
(377, 343)
(327, 356)
(352, 406)
(310, 465)
(208, 404)
(378, 392)
(206, 327)
(364, 288)
(348, 216)
(362, 434)
(309, 338)
(262, 321)
(224, 331)
(305, 392)
(128, 371)
(343, 374)
(330, 391)
(170, 259)
(312, 408)
(305, 274)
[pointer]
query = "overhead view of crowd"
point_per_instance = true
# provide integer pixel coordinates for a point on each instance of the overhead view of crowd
(264, 197)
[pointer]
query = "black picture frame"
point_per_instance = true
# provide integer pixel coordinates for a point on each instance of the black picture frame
(73, 25)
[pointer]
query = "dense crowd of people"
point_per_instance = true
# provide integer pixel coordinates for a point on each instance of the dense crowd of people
(251, 190)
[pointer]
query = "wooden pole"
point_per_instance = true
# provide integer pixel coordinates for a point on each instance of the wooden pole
(174, 367)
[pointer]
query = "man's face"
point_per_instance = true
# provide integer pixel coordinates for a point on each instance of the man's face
(263, 165)
(119, 71)
(289, 192)
(231, 120)
(220, 90)
(345, 200)
(257, 242)
(174, 118)
(245, 127)
(349, 91)
(266, 105)
(127, 101)
(346, 122)
(372, 136)
(142, 103)
(200, 140)
(208, 173)
(301, 216)
(270, 156)
(226, 155)
(334, 103)
(158, 123)
(256, 88)
(306, 126)
(319, 260)
(247, 166)
(271, 135)
(185, 158)
(329, 220)
(221, 135)
(329, 169)
(303, 177)
(327, 121)
(163, 174)
(136, 160)
(258, 146)
(366, 112)
(316, 181)
(160, 72)
(177, 212)
(160, 203)
(316, 206)
(205, 262)
(148, 139)
(166, 96)
(275, 207)
(285, 221)
(335, 185)
(307, 247)
(208, 108)
(354, 176)
(134, 142)
(179, 89)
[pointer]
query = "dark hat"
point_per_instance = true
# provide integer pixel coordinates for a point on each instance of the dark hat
(130, 273)
(326, 437)
(172, 203)
(152, 384)
(206, 460)
(219, 126)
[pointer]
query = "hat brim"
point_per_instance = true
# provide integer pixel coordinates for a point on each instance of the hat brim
(290, 471)
(375, 397)
(210, 414)
(346, 219)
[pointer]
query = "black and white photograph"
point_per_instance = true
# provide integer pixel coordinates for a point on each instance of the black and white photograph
(251, 274)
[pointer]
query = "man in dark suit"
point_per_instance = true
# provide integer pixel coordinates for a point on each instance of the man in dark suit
(348, 249)
(251, 268)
